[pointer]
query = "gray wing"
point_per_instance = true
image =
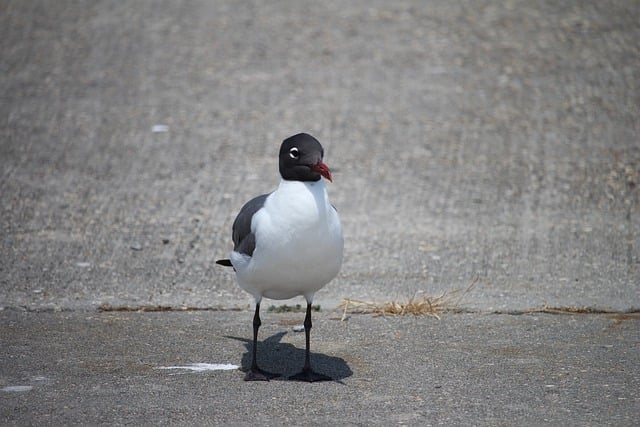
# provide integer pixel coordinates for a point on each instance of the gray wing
(244, 241)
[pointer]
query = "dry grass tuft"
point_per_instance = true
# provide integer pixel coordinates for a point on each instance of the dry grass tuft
(415, 306)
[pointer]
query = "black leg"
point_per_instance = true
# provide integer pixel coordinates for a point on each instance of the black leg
(256, 327)
(307, 374)
(255, 373)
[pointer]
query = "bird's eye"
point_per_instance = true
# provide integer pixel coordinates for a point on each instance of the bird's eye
(293, 153)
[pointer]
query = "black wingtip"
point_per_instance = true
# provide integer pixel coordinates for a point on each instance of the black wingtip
(225, 262)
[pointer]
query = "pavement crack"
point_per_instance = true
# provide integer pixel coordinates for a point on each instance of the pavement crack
(570, 310)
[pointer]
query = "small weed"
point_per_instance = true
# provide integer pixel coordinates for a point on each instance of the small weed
(298, 308)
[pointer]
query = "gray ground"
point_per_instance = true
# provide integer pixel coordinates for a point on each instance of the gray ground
(487, 141)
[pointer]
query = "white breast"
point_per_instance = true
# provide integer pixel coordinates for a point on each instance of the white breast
(299, 243)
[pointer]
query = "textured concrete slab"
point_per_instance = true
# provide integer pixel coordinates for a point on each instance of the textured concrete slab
(482, 139)
(87, 368)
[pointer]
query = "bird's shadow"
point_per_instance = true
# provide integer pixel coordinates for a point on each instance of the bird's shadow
(286, 359)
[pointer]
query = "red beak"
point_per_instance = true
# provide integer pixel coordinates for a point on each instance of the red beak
(323, 170)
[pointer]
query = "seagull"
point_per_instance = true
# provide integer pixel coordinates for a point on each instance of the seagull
(288, 242)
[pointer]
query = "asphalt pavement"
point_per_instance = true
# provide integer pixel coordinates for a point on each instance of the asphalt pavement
(478, 142)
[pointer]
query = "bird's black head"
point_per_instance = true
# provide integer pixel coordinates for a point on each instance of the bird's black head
(301, 159)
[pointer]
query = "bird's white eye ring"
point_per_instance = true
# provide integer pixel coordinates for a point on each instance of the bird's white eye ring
(293, 153)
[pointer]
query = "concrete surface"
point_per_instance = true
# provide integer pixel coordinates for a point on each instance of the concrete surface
(86, 368)
(495, 141)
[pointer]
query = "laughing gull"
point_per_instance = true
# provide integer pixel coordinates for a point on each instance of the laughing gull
(288, 242)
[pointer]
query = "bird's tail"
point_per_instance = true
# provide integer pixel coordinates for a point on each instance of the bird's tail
(225, 262)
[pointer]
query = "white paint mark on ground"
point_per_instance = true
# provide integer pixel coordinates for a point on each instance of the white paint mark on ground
(159, 128)
(201, 367)
(16, 388)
